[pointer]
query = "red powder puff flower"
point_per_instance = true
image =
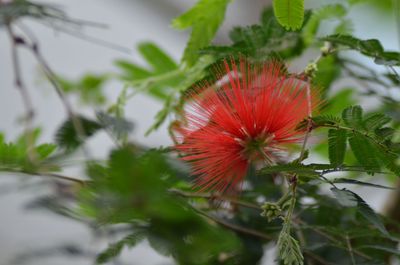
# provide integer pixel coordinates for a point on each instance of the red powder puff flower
(244, 117)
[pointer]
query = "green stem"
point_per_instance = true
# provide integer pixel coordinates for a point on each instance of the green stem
(142, 85)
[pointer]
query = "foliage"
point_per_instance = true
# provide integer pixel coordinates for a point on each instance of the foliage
(145, 194)
(372, 48)
(15, 156)
(268, 39)
(204, 19)
(328, 12)
(133, 188)
(88, 88)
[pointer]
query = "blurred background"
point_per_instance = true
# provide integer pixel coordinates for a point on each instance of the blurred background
(28, 235)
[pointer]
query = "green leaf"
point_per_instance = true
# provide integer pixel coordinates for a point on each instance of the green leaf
(159, 79)
(70, 138)
(45, 150)
(326, 12)
(156, 58)
(262, 41)
(348, 198)
(385, 133)
(361, 183)
(113, 250)
(161, 115)
(289, 13)
(189, 77)
(132, 189)
(14, 156)
(371, 47)
(344, 197)
(375, 121)
(300, 169)
(289, 249)
(352, 116)
(118, 126)
(88, 88)
(337, 146)
(345, 26)
(388, 158)
(363, 149)
(339, 101)
(204, 18)
(327, 72)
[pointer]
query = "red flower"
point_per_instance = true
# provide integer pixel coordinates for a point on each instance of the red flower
(246, 116)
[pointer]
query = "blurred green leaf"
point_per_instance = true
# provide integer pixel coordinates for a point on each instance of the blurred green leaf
(337, 146)
(159, 79)
(70, 137)
(22, 8)
(118, 126)
(324, 13)
(350, 199)
(204, 18)
(371, 47)
(352, 116)
(171, 103)
(114, 249)
(375, 121)
(133, 189)
(89, 88)
(15, 156)
(327, 73)
(159, 61)
(339, 101)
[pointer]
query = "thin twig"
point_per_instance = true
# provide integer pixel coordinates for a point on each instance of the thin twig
(337, 242)
(51, 76)
(234, 227)
(394, 72)
(215, 196)
(90, 39)
(26, 99)
(54, 176)
(62, 177)
(350, 250)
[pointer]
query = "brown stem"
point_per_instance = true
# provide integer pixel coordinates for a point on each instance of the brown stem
(26, 99)
(234, 227)
(76, 122)
(55, 176)
(33, 46)
(215, 196)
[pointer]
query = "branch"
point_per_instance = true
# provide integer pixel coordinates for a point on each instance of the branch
(234, 227)
(217, 196)
(51, 76)
(53, 175)
(26, 99)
